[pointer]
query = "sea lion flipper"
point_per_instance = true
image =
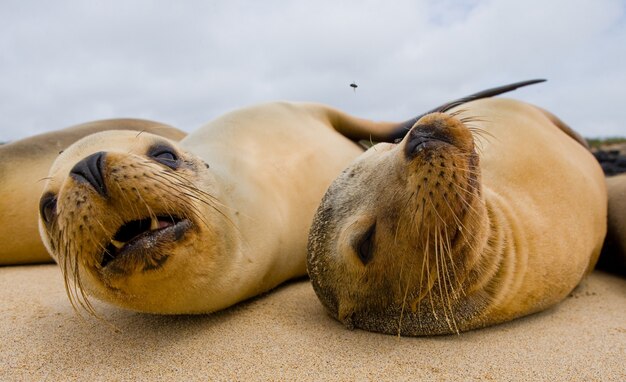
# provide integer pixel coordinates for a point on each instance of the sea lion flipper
(485, 94)
(404, 128)
(362, 129)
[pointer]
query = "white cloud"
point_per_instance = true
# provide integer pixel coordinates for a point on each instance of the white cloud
(185, 63)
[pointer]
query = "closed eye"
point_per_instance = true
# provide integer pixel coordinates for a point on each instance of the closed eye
(365, 246)
(165, 155)
(48, 207)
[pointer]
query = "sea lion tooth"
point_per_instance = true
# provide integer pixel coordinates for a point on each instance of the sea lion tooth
(117, 244)
(154, 223)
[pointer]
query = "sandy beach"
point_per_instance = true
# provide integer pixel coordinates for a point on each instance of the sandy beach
(287, 335)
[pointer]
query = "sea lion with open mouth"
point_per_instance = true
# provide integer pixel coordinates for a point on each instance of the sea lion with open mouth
(483, 213)
(157, 226)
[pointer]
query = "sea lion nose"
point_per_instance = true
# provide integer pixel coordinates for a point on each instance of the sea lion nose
(89, 170)
(422, 137)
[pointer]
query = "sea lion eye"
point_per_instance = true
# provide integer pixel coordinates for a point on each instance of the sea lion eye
(164, 155)
(47, 207)
(365, 248)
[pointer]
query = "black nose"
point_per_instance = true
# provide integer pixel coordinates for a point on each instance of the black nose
(89, 170)
(424, 136)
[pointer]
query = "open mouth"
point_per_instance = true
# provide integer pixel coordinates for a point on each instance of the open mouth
(143, 234)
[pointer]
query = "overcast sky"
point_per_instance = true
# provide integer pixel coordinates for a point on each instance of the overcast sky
(186, 62)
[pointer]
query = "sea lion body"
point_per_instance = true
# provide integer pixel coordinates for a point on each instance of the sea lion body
(154, 226)
(24, 164)
(489, 212)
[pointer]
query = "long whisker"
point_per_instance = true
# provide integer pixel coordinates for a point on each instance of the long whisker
(438, 270)
(189, 186)
(448, 250)
(447, 284)
(430, 296)
(421, 279)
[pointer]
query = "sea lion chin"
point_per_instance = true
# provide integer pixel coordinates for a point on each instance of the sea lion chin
(460, 225)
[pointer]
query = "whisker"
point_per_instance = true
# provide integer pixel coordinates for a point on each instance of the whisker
(195, 194)
(424, 259)
(430, 296)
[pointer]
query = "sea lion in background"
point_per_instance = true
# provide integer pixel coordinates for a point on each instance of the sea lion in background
(23, 166)
(487, 212)
(156, 226)
(612, 158)
(613, 256)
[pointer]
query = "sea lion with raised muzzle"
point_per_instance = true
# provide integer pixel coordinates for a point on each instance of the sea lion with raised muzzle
(483, 213)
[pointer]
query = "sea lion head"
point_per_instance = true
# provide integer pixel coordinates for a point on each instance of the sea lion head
(122, 213)
(393, 239)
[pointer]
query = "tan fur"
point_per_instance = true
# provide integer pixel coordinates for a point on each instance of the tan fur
(556, 196)
(23, 169)
(510, 232)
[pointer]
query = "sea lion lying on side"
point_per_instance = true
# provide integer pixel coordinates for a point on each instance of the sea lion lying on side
(483, 213)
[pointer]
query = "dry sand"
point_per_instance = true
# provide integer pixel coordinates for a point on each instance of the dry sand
(286, 335)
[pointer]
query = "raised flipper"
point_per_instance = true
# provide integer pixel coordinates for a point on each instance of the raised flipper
(363, 129)
(406, 126)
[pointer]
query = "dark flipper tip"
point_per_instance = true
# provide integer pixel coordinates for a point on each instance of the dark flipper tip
(404, 128)
(485, 94)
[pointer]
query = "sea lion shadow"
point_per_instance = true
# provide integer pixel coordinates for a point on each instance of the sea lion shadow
(180, 325)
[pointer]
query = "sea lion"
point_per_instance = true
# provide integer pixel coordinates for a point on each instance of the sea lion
(483, 213)
(613, 256)
(154, 226)
(612, 158)
(25, 164)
